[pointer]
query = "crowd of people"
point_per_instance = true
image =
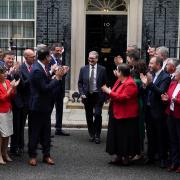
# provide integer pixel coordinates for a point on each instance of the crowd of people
(30, 91)
(144, 100)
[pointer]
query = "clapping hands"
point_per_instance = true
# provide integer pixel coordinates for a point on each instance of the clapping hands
(106, 89)
(14, 83)
(61, 71)
(164, 97)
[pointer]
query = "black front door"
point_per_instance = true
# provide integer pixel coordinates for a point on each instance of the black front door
(106, 34)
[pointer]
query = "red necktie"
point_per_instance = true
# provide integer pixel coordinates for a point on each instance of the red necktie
(30, 68)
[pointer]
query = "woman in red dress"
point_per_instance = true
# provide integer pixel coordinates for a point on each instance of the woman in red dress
(6, 126)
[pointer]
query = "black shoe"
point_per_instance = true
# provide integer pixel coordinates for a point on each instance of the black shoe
(61, 133)
(148, 161)
(91, 139)
(15, 152)
(163, 164)
(97, 140)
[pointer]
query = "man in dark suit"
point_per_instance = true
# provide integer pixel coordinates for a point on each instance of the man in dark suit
(40, 105)
(155, 85)
(91, 78)
(57, 58)
(24, 93)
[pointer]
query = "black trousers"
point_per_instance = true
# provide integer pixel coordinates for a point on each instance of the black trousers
(58, 102)
(19, 120)
(93, 108)
(39, 131)
(174, 134)
(156, 135)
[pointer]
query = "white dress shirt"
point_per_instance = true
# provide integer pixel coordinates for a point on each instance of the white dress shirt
(156, 75)
(176, 91)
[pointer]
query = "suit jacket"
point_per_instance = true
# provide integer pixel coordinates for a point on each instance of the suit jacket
(176, 112)
(124, 99)
(58, 92)
(41, 89)
(25, 81)
(5, 99)
(154, 91)
(83, 82)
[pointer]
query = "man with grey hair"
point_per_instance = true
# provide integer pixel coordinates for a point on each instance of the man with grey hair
(91, 78)
(163, 53)
(171, 65)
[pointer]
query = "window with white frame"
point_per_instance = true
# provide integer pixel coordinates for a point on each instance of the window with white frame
(106, 5)
(17, 22)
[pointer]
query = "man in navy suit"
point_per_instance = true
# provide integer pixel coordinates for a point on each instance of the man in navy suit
(57, 58)
(91, 78)
(24, 72)
(40, 105)
(155, 85)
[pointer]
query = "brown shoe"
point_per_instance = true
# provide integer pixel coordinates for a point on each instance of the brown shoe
(33, 162)
(48, 160)
(178, 170)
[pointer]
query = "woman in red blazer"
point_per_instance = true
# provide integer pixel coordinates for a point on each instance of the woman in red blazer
(173, 121)
(123, 134)
(6, 125)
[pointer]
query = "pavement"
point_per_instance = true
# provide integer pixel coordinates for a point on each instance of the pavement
(74, 115)
(78, 159)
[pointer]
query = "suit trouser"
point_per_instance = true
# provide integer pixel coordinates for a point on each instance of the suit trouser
(39, 130)
(93, 108)
(174, 134)
(17, 139)
(58, 102)
(156, 135)
(59, 112)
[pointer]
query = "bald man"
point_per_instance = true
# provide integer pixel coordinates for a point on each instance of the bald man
(23, 93)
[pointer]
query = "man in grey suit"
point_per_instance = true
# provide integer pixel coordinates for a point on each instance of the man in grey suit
(91, 78)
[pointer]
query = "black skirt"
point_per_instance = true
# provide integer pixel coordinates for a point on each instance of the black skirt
(123, 137)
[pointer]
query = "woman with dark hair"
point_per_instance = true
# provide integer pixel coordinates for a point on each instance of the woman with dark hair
(123, 135)
(6, 124)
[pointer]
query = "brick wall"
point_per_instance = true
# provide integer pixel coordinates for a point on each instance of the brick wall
(172, 15)
(63, 10)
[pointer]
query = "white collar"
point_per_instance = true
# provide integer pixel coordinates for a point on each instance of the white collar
(158, 72)
(43, 66)
(27, 64)
(95, 66)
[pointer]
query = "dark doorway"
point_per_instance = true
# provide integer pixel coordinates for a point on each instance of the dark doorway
(106, 34)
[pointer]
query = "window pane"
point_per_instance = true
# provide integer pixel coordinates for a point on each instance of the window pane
(3, 9)
(4, 44)
(28, 30)
(15, 9)
(15, 28)
(3, 30)
(28, 9)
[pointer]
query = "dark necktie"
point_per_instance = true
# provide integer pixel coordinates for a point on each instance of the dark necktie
(91, 80)
(59, 61)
